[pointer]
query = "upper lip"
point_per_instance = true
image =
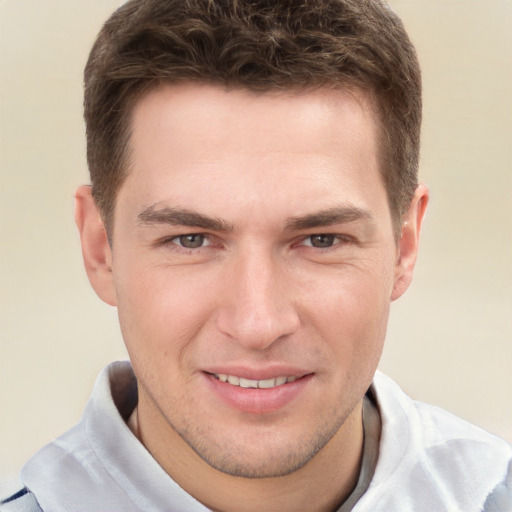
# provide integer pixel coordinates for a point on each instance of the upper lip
(268, 372)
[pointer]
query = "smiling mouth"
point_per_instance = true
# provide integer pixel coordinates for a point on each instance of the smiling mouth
(254, 384)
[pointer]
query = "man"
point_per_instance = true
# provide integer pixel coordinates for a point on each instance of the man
(254, 210)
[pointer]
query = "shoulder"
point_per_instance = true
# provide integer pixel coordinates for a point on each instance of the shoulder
(21, 501)
(441, 459)
(427, 425)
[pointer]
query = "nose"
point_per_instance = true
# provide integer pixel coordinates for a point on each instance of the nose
(257, 307)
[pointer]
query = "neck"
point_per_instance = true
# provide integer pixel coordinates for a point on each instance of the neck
(325, 481)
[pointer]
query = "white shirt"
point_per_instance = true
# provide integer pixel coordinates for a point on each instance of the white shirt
(428, 460)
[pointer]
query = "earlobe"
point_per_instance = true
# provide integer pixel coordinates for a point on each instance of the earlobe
(96, 250)
(409, 240)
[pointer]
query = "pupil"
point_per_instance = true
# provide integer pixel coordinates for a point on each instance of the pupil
(191, 241)
(322, 240)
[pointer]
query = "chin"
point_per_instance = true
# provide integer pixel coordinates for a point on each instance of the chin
(266, 453)
(271, 466)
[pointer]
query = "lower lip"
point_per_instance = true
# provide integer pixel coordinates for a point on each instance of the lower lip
(258, 401)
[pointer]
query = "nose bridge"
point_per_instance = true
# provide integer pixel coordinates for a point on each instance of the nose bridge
(257, 308)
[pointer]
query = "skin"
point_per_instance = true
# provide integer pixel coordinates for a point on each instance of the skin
(292, 271)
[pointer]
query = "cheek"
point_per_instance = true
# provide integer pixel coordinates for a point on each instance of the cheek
(161, 310)
(351, 310)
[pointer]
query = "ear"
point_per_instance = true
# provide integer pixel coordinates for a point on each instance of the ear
(95, 247)
(409, 240)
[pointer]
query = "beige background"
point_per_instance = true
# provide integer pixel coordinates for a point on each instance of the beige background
(450, 337)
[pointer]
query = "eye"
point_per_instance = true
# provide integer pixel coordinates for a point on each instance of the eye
(191, 241)
(321, 240)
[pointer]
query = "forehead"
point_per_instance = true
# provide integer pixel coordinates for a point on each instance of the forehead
(191, 143)
(184, 109)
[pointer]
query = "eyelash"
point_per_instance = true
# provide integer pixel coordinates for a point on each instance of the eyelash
(179, 246)
(335, 240)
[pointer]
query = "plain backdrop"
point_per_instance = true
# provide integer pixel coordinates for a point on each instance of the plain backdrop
(450, 337)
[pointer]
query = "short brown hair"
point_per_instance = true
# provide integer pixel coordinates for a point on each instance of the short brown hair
(260, 45)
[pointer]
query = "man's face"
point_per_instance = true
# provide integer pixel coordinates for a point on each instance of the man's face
(253, 242)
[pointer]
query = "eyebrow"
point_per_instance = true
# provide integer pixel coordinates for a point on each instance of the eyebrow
(184, 217)
(329, 217)
(181, 217)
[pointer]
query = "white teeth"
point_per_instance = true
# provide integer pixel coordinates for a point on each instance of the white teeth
(267, 383)
(247, 383)
(234, 380)
(250, 383)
